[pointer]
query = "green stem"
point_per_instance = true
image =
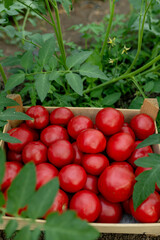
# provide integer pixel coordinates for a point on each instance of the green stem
(24, 24)
(16, 23)
(112, 5)
(3, 75)
(35, 44)
(138, 86)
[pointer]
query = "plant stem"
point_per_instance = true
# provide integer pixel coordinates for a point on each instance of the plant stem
(138, 86)
(3, 74)
(24, 24)
(16, 23)
(35, 44)
(112, 5)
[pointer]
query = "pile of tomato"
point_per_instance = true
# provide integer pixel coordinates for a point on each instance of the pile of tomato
(94, 162)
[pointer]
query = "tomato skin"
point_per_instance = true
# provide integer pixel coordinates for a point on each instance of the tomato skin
(139, 170)
(127, 129)
(60, 153)
(14, 156)
(52, 133)
(33, 131)
(91, 184)
(116, 183)
(34, 152)
(95, 163)
(78, 124)
(12, 169)
(86, 204)
(78, 155)
(91, 141)
(126, 206)
(123, 164)
(110, 212)
(142, 125)
(60, 203)
(109, 121)
(24, 135)
(44, 173)
(40, 117)
(149, 210)
(120, 146)
(72, 178)
(61, 116)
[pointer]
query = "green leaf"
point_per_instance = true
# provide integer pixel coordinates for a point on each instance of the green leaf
(2, 200)
(53, 62)
(75, 81)
(77, 58)
(66, 4)
(14, 81)
(5, 102)
(8, 3)
(149, 86)
(22, 188)
(24, 234)
(152, 160)
(151, 140)
(111, 99)
(67, 226)
(54, 75)
(35, 234)
(92, 71)
(136, 103)
(46, 51)
(27, 60)
(10, 61)
(9, 30)
(7, 138)
(3, 123)
(11, 228)
(42, 85)
(2, 164)
(11, 114)
(42, 200)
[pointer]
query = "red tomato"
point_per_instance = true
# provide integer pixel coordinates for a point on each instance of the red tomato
(60, 203)
(149, 210)
(24, 135)
(91, 141)
(139, 153)
(78, 155)
(72, 178)
(12, 169)
(116, 183)
(14, 156)
(142, 125)
(91, 184)
(61, 116)
(86, 204)
(95, 163)
(127, 129)
(120, 146)
(34, 152)
(40, 117)
(52, 133)
(44, 173)
(126, 206)
(60, 153)
(109, 120)
(123, 164)
(77, 124)
(110, 212)
(139, 170)
(34, 132)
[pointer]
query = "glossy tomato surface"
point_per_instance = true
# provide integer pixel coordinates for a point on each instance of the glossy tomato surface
(33, 131)
(61, 116)
(126, 129)
(78, 155)
(116, 183)
(123, 164)
(91, 184)
(86, 204)
(91, 141)
(109, 121)
(14, 156)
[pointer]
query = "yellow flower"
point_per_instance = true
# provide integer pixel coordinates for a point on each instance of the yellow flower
(111, 60)
(125, 49)
(112, 41)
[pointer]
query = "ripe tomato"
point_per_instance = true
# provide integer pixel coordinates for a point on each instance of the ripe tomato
(77, 124)
(120, 146)
(126, 206)
(72, 178)
(110, 212)
(142, 125)
(139, 153)
(116, 183)
(61, 116)
(52, 133)
(14, 156)
(44, 173)
(33, 131)
(86, 204)
(139, 170)
(12, 169)
(60, 153)
(91, 141)
(60, 203)
(126, 129)
(95, 163)
(109, 121)
(24, 135)
(149, 210)
(78, 155)
(91, 184)
(40, 117)
(34, 152)
(123, 164)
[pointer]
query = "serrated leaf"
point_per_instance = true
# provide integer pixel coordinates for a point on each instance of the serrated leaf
(52, 62)
(8, 3)
(3, 123)
(76, 83)
(14, 81)
(66, 5)
(42, 85)
(35, 234)
(149, 86)
(11, 228)
(136, 103)
(111, 99)
(54, 76)
(7, 138)
(24, 234)
(21, 189)
(42, 199)
(27, 60)
(151, 140)
(10, 61)
(2, 200)
(11, 114)
(92, 71)
(5, 102)
(9, 30)
(67, 226)
(77, 58)
(46, 51)
(37, 38)
(152, 160)
(2, 164)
